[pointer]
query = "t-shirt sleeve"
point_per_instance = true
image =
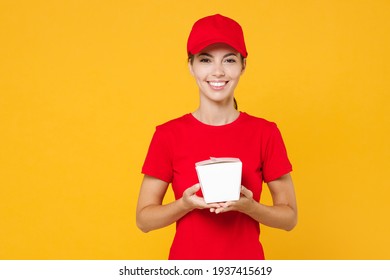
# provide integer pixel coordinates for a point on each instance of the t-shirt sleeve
(158, 161)
(276, 162)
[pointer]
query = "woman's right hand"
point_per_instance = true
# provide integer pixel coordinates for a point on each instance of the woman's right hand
(152, 214)
(192, 201)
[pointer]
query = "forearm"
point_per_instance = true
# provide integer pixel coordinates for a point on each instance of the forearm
(276, 216)
(154, 217)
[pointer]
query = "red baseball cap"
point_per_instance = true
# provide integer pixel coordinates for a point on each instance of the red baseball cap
(216, 29)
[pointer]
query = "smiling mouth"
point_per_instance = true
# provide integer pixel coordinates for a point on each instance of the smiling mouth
(218, 85)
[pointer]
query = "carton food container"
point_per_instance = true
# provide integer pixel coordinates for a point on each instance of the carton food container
(220, 179)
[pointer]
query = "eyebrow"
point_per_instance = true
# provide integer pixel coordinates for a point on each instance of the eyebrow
(209, 55)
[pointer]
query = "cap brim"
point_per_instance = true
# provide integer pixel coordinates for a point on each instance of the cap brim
(201, 46)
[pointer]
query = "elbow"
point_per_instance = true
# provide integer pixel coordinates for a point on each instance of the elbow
(143, 228)
(292, 224)
(290, 227)
(142, 225)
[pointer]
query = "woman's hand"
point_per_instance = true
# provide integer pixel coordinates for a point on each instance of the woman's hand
(192, 201)
(244, 204)
(151, 214)
(281, 214)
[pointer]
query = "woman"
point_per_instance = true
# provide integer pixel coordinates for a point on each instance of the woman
(228, 230)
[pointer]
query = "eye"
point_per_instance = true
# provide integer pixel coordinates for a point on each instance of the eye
(205, 60)
(230, 60)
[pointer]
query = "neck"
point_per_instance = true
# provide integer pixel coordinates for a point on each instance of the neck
(217, 115)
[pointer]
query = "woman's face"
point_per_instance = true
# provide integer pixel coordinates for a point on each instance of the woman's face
(217, 70)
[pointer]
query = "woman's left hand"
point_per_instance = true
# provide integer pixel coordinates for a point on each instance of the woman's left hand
(283, 212)
(244, 204)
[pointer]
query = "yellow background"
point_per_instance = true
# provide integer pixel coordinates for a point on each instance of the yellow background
(84, 83)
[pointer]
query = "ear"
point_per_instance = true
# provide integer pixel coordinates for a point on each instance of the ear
(190, 67)
(243, 66)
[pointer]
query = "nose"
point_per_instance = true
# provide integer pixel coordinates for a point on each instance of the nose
(218, 70)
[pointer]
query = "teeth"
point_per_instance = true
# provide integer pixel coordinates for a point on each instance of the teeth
(217, 84)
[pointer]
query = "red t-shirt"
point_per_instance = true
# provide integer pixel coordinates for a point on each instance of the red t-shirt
(175, 148)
